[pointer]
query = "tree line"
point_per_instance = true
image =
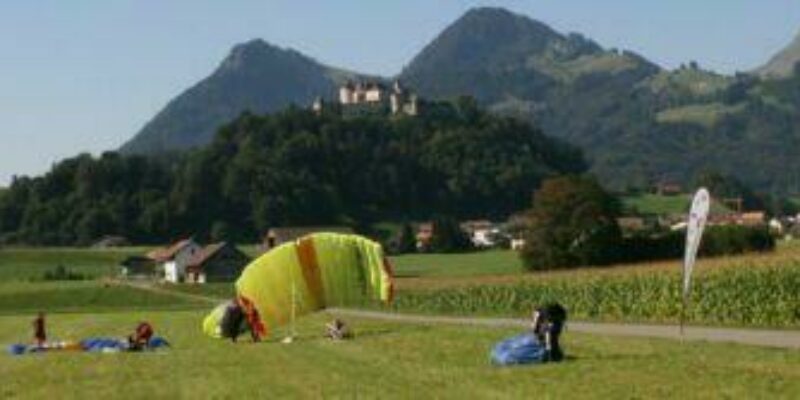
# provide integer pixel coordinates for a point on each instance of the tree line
(293, 167)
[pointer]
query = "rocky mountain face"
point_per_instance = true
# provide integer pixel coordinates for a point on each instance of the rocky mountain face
(782, 65)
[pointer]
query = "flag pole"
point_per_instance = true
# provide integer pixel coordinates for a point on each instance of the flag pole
(695, 224)
(290, 338)
(683, 303)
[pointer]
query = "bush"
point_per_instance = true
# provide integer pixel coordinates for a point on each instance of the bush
(448, 236)
(717, 241)
(61, 273)
(406, 241)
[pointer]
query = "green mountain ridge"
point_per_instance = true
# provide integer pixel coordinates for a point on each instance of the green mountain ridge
(256, 76)
(636, 122)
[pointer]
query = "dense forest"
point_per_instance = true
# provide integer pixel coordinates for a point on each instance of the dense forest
(293, 168)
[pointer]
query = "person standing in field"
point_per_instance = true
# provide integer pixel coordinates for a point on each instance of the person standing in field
(39, 334)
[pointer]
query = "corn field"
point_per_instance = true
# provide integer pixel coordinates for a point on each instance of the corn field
(742, 296)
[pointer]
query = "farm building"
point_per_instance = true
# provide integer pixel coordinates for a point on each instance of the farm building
(278, 236)
(138, 267)
(174, 259)
(482, 233)
(218, 262)
(631, 224)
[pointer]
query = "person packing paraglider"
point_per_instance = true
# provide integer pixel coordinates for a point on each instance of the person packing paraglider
(548, 322)
(234, 322)
(141, 337)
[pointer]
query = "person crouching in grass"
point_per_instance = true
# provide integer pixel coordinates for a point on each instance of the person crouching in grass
(548, 323)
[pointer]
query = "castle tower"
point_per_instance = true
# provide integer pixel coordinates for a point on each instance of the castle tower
(346, 93)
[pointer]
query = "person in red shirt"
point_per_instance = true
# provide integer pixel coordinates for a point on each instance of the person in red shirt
(39, 334)
(141, 337)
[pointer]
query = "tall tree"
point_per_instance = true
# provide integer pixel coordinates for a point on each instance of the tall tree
(572, 223)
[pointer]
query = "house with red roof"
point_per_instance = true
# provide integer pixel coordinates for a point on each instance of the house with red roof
(174, 259)
(217, 262)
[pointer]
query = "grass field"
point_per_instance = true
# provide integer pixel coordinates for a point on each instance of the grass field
(386, 360)
(706, 115)
(88, 296)
(494, 262)
(32, 263)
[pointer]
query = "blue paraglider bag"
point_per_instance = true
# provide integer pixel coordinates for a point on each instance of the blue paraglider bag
(522, 349)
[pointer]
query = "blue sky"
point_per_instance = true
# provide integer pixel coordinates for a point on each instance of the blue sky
(85, 75)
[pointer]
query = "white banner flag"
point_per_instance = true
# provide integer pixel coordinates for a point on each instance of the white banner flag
(694, 232)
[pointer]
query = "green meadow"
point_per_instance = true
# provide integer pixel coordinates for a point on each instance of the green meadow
(385, 360)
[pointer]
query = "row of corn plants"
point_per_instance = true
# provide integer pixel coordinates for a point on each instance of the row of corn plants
(743, 296)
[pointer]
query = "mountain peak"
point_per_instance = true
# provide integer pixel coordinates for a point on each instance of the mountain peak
(251, 51)
(502, 17)
(782, 64)
(255, 76)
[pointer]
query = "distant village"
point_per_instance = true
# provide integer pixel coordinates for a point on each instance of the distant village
(187, 261)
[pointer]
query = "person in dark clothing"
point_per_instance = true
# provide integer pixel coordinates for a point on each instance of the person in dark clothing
(39, 334)
(548, 323)
(234, 322)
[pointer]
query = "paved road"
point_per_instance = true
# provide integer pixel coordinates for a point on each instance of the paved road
(771, 338)
(759, 337)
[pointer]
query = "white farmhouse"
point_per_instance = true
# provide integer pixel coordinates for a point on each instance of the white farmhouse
(174, 259)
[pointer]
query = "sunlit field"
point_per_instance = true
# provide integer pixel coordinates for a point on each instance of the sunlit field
(385, 360)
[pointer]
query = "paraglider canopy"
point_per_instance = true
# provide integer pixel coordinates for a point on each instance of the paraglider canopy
(316, 271)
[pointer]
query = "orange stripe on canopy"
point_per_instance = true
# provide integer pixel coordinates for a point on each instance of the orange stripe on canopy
(311, 273)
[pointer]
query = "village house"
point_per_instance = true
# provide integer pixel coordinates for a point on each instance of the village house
(752, 218)
(631, 224)
(517, 243)
(173, 260)
(482, 233)
(424, 236)
(218, 262)
(278, 236)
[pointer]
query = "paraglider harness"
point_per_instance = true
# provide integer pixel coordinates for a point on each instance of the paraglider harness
(548, 322)
(337, 330)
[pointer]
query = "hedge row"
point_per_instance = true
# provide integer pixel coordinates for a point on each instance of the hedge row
(717, 241)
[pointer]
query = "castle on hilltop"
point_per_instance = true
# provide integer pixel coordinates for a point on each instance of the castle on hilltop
(362, 98)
